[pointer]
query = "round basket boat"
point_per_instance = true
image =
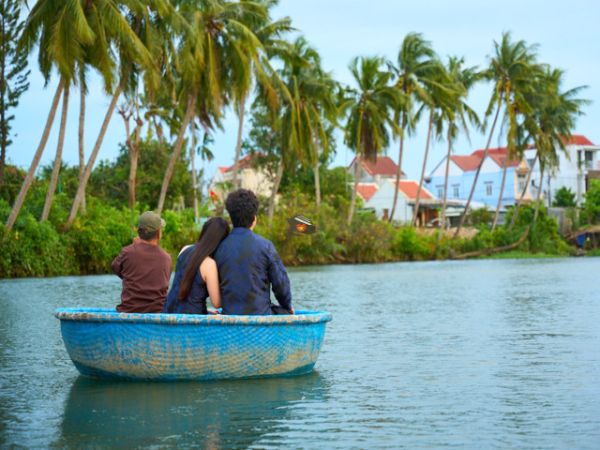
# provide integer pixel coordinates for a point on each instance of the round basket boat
(105, 343)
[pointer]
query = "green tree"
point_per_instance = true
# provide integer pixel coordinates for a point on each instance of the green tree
(458, 114)
(441, 91)
(270, 34)
(124, 26)
(550, 125)
(415, 65)
(511, 69)
(370, 107)
(591, 204)
(215, 47)
(109, 180)
(13, 72)
(564, 198)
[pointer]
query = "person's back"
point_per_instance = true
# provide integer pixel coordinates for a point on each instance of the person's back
(196, 277)
(249, 265)
(145, 269)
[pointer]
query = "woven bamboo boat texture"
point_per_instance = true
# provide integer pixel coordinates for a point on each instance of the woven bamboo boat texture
(107, 344)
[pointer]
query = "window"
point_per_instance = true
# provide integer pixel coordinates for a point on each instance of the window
(488, 188)
(589, 160)
(455, 190)
(440, 190)
(521, 183)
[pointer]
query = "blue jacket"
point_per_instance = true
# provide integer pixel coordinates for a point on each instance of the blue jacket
(248, 267)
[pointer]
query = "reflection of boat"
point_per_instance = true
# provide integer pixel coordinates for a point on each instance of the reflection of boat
(105, 343)
(220, 414)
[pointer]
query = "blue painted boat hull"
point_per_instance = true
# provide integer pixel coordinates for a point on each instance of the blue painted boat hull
(107, 344)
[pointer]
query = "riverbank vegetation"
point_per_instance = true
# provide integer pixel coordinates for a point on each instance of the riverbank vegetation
(172, 69)
(36, 248)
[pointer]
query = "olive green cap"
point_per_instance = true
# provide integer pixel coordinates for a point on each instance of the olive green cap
(150, 221)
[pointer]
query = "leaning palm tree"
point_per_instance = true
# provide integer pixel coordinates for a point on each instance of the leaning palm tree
(440, 94)
(370, 107)
(550, 125)
(509, 68)
(270, 34)
(120, 25)
(416, 63)
(310, 109)
(216, 44)
(60, 31)
(458, 114)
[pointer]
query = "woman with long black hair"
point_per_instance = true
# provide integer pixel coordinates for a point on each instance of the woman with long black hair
(196, 275)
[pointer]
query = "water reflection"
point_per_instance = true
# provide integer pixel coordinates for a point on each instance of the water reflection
(214, 415)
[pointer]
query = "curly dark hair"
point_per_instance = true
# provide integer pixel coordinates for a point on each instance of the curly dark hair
(242, 206)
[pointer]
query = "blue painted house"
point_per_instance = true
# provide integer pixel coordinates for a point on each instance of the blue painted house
(461, 173)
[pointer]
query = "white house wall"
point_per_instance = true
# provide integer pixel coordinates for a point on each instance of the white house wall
(384, 198)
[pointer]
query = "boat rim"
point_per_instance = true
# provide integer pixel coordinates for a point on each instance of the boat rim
(110, 315)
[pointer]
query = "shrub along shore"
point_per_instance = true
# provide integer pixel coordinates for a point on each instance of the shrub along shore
(39, 249)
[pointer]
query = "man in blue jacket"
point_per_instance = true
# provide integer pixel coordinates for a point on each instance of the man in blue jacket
(249, 265)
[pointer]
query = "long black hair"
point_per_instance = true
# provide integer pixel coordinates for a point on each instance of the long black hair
(213, 232)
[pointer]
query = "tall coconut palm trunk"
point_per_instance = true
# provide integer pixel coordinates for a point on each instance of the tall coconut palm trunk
(539, 194)
(36, 159)
(194, 176)
(134, 156)
(353, 197)
(317, 184)
(57, 158)
(189, 113)
(80, 135)
(398, 170)
(446, 176)
(478, 171)
(238, 144)
(274, 190)
(419, 189)
(523, 192)
(316, 170)
(501, 194)
(79, 196)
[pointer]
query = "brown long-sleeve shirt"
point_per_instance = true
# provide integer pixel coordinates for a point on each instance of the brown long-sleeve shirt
(145, 270)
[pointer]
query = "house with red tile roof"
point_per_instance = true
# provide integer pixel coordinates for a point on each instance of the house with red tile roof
(461, 173)
(381, 201)
(251, 176)
(579, 163)
(384, 168)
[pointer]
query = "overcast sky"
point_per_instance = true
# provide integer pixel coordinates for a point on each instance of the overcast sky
(568, 34)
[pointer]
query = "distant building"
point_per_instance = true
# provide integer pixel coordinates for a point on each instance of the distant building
(375, 172)
(574, 172)
(251, 177)
(462, 171)
(580, 165)
(381, 201)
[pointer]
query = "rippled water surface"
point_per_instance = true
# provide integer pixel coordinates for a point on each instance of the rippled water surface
(477, 354)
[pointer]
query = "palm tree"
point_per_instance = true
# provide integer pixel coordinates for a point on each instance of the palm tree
(57, 158)
(416, 62)
(509, 68)
(550, 125)
(60, 30)
(440, 93)
(124, 26)
(370, 109)
(457, 114)
(215, 47)
(269, 33)
(310, 110)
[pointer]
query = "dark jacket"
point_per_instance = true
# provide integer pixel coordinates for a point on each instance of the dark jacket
(249, 267)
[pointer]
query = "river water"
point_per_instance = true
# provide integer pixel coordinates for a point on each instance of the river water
(475, 354)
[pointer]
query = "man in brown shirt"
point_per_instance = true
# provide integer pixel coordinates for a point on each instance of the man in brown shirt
(145, 268)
